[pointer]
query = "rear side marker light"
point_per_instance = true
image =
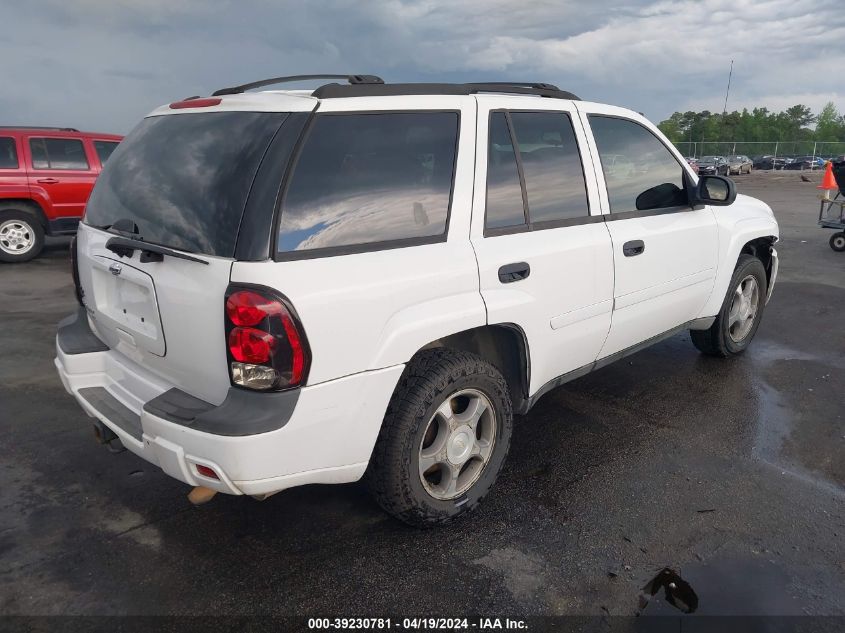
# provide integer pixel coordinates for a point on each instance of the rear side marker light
(195, 103)
(205, 471)
(266, 344)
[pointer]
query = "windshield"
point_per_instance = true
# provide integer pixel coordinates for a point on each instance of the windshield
(183, 179)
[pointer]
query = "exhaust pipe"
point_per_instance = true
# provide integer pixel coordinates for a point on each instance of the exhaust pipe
(200, 495)
(102, 433)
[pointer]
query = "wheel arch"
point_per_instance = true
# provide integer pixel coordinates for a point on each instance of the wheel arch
(28, 205)
(504, 346)
(761, 248)
(753, 236)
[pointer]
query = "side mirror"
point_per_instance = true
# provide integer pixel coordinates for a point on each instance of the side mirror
(715, 190)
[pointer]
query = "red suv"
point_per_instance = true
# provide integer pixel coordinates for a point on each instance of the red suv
(46, 175)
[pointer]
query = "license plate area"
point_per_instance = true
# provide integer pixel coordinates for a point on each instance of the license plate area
(126, 303)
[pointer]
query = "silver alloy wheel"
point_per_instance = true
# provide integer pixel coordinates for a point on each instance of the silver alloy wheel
(746, 302)
(16, 237)
(457, 444)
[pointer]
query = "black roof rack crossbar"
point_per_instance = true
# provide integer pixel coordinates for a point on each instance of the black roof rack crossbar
(336, 91)
(38, 127)
(352, 79)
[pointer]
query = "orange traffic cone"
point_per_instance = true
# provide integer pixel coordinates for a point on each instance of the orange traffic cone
(828, 182)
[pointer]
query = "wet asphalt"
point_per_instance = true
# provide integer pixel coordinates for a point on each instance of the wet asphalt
(729, 473)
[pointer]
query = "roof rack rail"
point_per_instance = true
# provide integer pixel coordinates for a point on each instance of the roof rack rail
(539, 85)
(337, 91)
(38, 127)
(352, 79)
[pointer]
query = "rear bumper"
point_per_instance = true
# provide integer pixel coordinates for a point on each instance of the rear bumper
(327, 436)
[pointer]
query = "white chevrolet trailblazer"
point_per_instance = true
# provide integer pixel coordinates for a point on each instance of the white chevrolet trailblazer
(369, 280)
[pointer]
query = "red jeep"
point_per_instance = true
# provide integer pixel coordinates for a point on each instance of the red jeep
(46, 175)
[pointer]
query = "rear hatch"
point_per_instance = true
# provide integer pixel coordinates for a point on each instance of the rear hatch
(160, 233)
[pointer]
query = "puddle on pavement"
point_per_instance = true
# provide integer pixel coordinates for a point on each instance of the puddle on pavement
(735, 587)
(801, 423)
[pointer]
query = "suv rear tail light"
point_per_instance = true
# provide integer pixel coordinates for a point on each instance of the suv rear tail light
(266, 344)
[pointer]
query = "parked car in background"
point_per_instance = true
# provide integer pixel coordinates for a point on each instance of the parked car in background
(46, 176)
(768, 161)
(693, 163)
(739, 164)
(805, 162)
(408, 294)
(712, 165)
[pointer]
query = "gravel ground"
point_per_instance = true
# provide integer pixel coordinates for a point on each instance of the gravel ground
(732, 473)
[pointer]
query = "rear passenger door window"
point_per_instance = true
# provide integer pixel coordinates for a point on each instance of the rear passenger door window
(370, 181)
(58, 153)
(505, 206)
(535, 178)
(8, 153)
(640, 172)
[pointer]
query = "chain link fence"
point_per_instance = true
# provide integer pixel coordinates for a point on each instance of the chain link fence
(756, 149)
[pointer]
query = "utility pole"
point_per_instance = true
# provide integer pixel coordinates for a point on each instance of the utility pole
(728, 91)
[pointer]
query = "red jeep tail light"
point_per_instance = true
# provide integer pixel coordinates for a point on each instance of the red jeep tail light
(267, 347)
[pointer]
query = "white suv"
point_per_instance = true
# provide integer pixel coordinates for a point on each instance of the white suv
(289, 287)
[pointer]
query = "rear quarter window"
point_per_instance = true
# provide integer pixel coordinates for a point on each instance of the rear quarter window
(104, 149)
(366, 181)
(8, 153)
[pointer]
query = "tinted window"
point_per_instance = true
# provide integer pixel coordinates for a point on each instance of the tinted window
(58, 153)
(504, 193)
(8, 153)
(640, 172)
(104, 150)
(365, 178)
(551, 164)
(183, 179)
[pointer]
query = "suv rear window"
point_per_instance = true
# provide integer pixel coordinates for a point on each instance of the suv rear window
(8, 153)
(183, 179)
(364, 180)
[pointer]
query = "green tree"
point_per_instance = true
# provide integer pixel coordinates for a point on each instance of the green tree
(830, 125)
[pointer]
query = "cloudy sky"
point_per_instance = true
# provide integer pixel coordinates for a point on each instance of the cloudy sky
(103, 64)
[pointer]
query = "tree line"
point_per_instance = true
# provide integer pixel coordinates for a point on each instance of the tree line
(759, 124)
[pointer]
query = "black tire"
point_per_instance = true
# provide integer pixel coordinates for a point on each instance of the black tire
(393, 475)
(837, 241)
(716, 341)
(17, 220)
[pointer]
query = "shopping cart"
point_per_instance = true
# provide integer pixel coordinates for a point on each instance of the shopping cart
(832, 211)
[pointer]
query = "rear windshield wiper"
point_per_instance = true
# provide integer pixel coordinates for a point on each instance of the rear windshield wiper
(125, 246)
